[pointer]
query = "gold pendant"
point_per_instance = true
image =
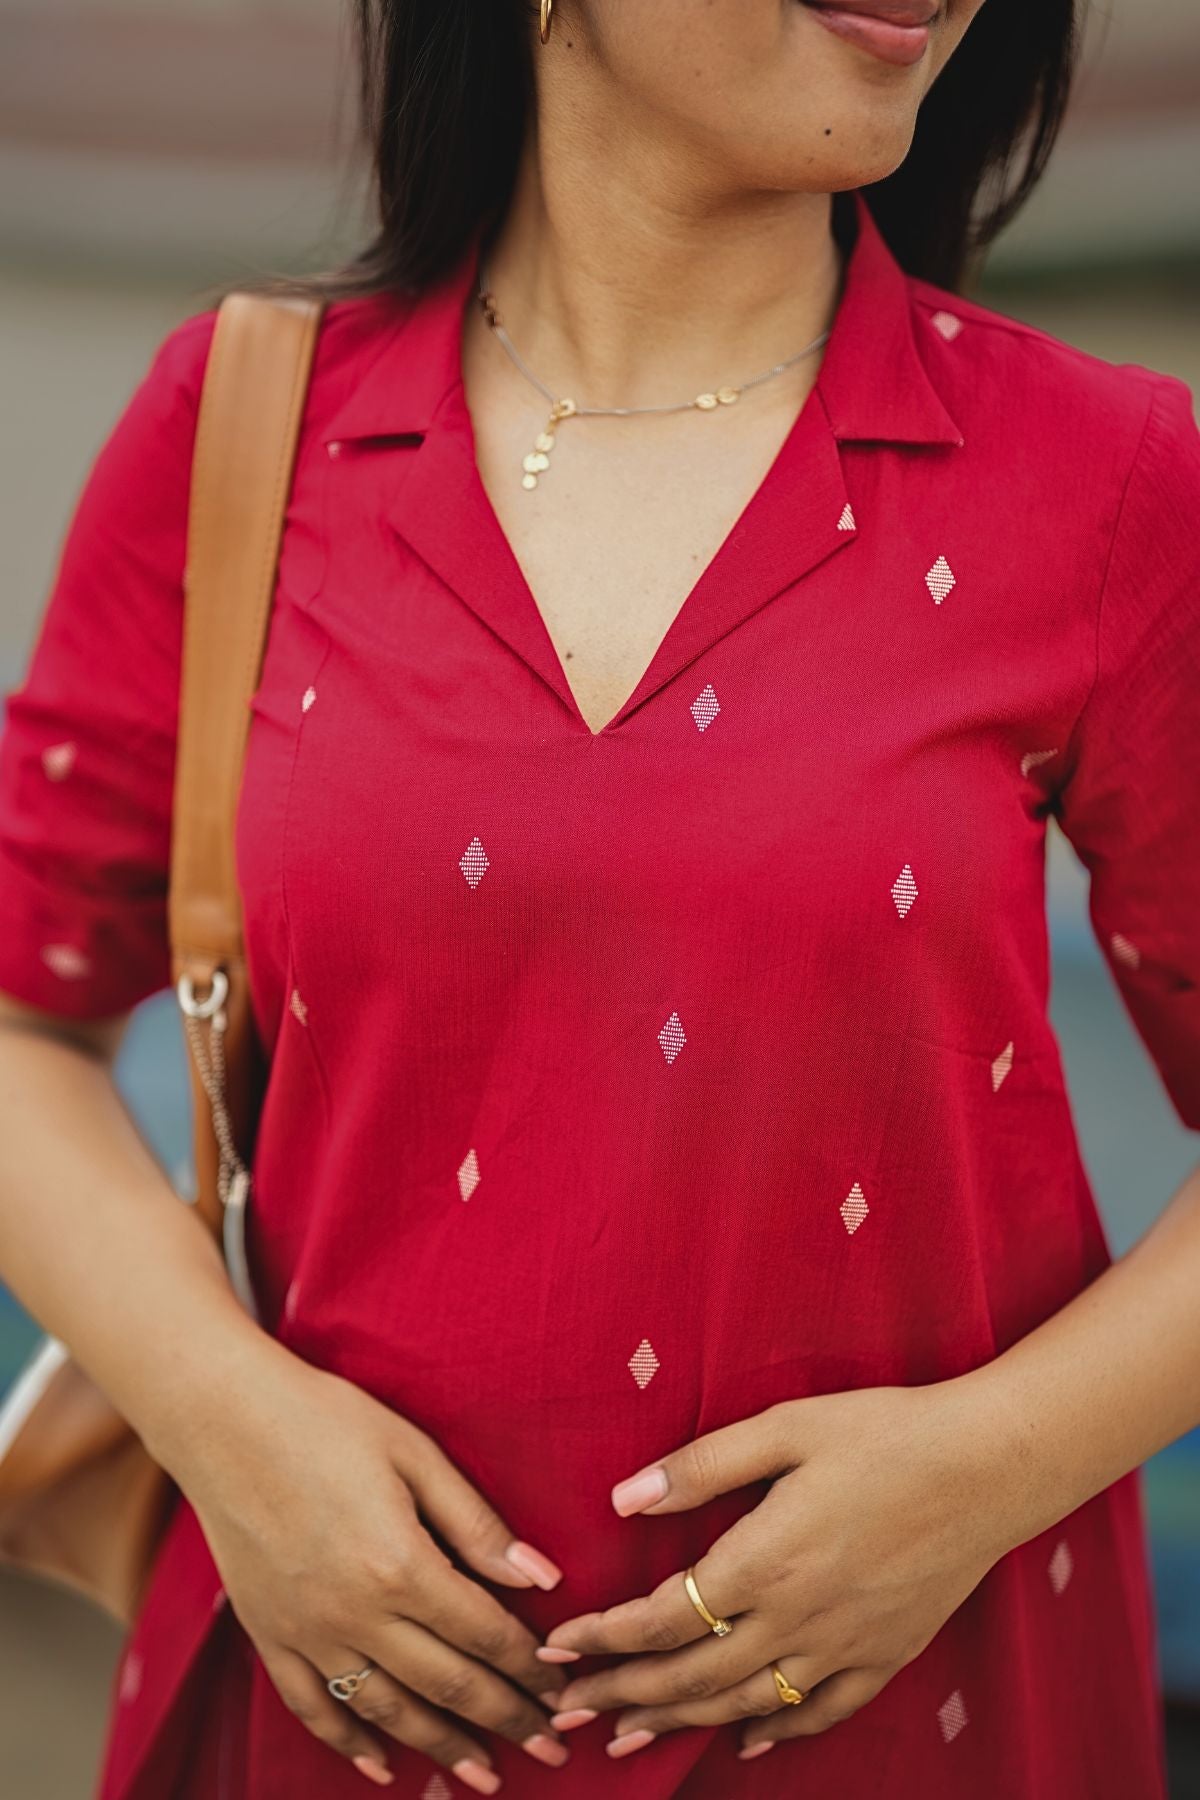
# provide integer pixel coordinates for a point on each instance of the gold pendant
(538, 460)
(724, 396)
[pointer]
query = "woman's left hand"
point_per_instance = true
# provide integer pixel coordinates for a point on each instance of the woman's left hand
(887, 1507)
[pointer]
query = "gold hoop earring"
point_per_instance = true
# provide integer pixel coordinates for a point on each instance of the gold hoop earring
(546, 20)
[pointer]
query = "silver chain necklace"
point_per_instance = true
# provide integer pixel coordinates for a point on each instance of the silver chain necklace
(538, 459)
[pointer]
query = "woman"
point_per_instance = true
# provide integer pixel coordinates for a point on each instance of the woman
(689, 1335)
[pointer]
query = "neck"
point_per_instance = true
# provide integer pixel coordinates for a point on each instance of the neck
(655, 281)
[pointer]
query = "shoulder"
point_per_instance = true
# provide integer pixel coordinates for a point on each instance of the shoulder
(1070, 411)
(353, 332)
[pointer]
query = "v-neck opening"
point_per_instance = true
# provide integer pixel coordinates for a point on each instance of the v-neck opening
(797, 515)
(456, 414)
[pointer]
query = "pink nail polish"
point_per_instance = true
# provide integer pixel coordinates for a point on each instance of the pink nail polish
(552, 1654)
(640, 1491)
(547, 1749)
(757, 1749)
(531, 1563)
(629, 1741)
(374, 1771)
(567, 1721)
(474, 1775)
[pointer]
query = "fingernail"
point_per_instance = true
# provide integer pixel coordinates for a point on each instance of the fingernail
(547, 1749)
(374, 1771)
(550, 1698)
(640, 1491)
(757, 1749)
(475, 1775)
(567, 1721)
(629, 1742)
(531, 1563)
(551, 1653)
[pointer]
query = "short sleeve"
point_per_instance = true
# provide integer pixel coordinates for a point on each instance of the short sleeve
(87, 749)
(1130, 804)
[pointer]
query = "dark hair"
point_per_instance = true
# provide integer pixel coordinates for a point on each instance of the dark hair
(445, 86)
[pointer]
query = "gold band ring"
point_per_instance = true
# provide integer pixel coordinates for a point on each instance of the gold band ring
(344, 1687)
(787, 1693)
(721, 1627)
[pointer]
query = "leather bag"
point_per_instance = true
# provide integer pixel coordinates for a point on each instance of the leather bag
(82, 1502)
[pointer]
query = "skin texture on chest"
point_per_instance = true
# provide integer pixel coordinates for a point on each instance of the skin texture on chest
(619, 530)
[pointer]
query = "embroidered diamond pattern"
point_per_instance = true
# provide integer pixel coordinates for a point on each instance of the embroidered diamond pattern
(58, 760)
(132, 1669)
(473, 862)
(436, 1788)
(291, 1300)
(854, 1209)
(643, 1365)
(68, 963)
(939, 580)
(671, 1038)
(468, 1174)
(1032, 758)
(952, 1715)
(310, 694)
(298, 1007)
(846, 522)
(220, 1600)
(1060, 1566)
(1002, 1065)
(904, 890)
(948, 323)
(704, 708)
(1124, 951)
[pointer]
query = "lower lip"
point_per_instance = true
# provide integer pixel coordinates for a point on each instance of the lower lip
(893, 43)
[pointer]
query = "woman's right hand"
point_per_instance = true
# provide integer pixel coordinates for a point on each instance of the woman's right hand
(318, 1502)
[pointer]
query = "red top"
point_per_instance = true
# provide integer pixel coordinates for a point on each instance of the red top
(627, 1082)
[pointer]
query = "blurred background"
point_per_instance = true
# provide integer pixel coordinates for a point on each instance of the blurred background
(152, 151)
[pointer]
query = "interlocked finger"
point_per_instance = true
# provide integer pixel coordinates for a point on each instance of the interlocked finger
(458, 1684)
(837, 1698)
(756, 1696)
(399, 1713)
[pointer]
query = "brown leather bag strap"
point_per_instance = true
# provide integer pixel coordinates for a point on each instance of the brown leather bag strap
(251, 406)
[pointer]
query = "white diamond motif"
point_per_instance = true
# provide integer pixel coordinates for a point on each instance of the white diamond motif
(939, 580)
(1124, 951)
(904, 890)
(846, 522)
(297, 1007)
(671, 1039)
(436, 1788)
(705, 707)
(1060, 1566)
(473, 862)
(58, 760)
(132, 1670)
(1002, 1065)
(854, 1209)
(291, 1299)
(952, 1715)
(1032, 758)
(310, 694)
(468, 1174)
(68, 963)
(643, 1365)
(948, 323)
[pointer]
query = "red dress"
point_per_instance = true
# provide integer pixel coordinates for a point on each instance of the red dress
(626, 1082)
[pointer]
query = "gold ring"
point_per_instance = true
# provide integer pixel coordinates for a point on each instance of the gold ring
(787, 1693)
(721, 1627)
(344, 1687)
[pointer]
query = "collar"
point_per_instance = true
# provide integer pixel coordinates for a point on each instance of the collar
(872, 380)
